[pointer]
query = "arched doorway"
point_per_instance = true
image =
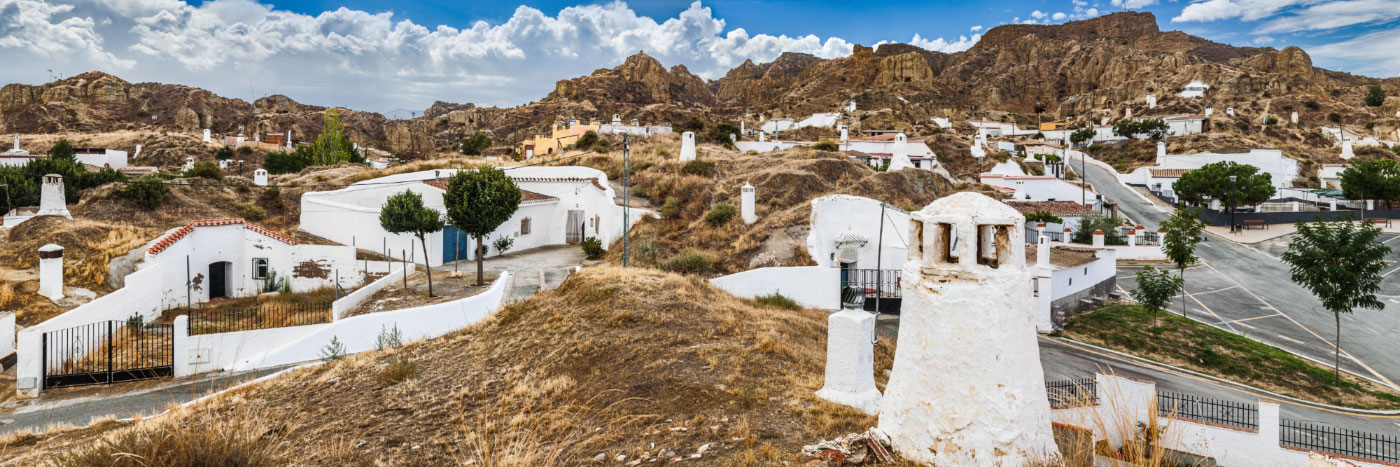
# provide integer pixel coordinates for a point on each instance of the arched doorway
(219, 279)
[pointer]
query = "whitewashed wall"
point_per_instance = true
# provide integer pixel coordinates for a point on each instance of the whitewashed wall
(834, 215)
(218, 352)
(1071, 280)
(354, 299)
(359, 333)
(330, 259)
(7, 334)
(238, 245)
(810, 286)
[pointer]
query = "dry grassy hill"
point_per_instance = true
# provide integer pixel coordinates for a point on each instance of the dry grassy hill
(620, 362)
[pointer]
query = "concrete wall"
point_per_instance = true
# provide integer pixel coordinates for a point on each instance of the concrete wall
(354, 299)
(810, 286)
(1070, 285)
(218, 352)
(359, 333)
(834, 215)
(7, 334)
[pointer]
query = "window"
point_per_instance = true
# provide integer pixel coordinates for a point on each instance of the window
(525, 226)
(260, 268)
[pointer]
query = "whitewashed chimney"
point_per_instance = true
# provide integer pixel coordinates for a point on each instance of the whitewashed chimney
(1346, 148)
(845, 134)
(1293, 118)
(289, 139)
(1042, 252)
(260, 177)
(762, 136)
(16, 146)
(851, 107)
(746, 202)
(1230, 111)
(982, 403)
(1161, 152)
(189, 163)
(52, 200)
(617, 119)
(206, 135)
(1209, 110)
(687, 146)
(1151, 101)
(850, 361)
(1132, 237)
(741, 126)
(51, 271)
(899, 157)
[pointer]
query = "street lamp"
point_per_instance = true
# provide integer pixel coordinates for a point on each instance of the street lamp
(1230, 205)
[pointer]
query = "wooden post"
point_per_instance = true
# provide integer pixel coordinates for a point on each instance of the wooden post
(403, 261)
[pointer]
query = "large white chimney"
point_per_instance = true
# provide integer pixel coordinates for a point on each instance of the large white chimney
(51, 271)
(899, 159)
(52, 200)
(260, 177)
(206, 135)
(746, 202)
(687, 146)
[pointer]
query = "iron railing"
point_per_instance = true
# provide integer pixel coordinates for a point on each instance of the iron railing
(872, 283)
(1032, 233)
(1341, 441)
(107, 352)
(1214, 411)
(216, 320)
(1072, 392)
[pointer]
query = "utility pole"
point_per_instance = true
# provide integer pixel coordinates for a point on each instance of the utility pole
(879, 276)
(626, 199)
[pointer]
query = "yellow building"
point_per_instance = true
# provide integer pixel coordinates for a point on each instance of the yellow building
(561, 137)
(1052, 126)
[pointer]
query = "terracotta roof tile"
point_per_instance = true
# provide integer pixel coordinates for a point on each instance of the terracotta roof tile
(1168, 173)
(1058, 208)
(178, 234)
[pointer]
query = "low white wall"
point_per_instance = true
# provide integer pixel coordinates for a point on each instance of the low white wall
(810, 286)
(359, 333)
(7, 334)
(218, 352)
(1071, 280)
(1124, 252)
(354, 299)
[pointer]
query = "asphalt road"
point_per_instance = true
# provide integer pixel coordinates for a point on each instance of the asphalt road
(1243, 289)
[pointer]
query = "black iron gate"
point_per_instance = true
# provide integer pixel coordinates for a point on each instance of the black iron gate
(108, 352)
(864, 287)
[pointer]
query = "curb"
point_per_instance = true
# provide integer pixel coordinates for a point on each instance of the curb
(1157, 364)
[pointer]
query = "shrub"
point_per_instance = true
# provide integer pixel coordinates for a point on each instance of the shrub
(1311, 104)
(271, 198)
(245, 150)
(587, 140)
(699, 167)
(400, 369)
(206, 169)
(224, 153)
(720, 135)
(592, 248)
(672, 208)
(827, 145)
(690, 262)
(334, 351)
(251, 211)
(639, 191)
(1334, 117)
(389, 338)
(1375, 96)
(473, 145)
(720, 214)
(147, 192)
(776, 300)
(279, 162)
(1044, 216)
(502, 244)
(1271, 120)
(1108, 224)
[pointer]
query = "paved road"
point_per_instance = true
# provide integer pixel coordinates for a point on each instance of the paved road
(81, 411)
(1245, 290)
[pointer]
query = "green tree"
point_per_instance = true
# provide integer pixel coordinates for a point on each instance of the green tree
(278, 162)
(1082, 136)
(478, 201)
(1341, 264)
(332, 146)
(224, 153)
(1155, 288)
(61, 150)
(1088, 223)
(1213, 181)
(1044, 216)
(1183, 232)
(1375, 179)
(719, 134)
(147, 192)
(1375, 96)
(1154, 129)
(476, 143)
(405, 213)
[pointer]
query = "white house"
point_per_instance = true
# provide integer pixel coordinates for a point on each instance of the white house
(995, 128)
(872, 150)
(1331, 174)
(101, 157)
(559, 205)
(1038, 188)
(1282, 169)
(1070, 212)
(845, 233)
(1067, 277)
(1182, 125)
(635, 128)
(815, 120)
(1195, 88)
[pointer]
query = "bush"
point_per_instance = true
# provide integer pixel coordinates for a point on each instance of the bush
(827, 145)
(592, 248)
(224, 153)
(245, 150)
(1334, 117)
(147, 192)
(400, 369)
(672, 208)
(503, 244)
(1311, 104)
(1375, 96)
(1271, 120)
(720, 135)
(206, 169)
(251, 211)
(1108, 224)
(389, 338)
(1044, 216)
(271, 198)
(776, 300)
(699, 167)
(334, 351)
(720, 214)
(587, 140)
(279, 162)
(473, 145)
(690, 262)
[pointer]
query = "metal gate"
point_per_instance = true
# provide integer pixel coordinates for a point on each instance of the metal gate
(107, 352)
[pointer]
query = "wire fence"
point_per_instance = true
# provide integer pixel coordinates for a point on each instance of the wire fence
(1341, 441)
(1202, 409)
(213, 321)
(1072, 392)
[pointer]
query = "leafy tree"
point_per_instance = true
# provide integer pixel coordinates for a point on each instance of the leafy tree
(586, 140)
(1155, 288)
(332, 146)
(206, 169)
(720, 134)
(61, 150)
(1375, 96)
(1154, 129)
(25, 182)
(478, 201)
(1088, 223)
(1044, 216)
(147, 192)
(503, 244)
(476, 143)
(695, 124)
(1375, 179)
(224, 153)
(1341, 264)
(1183, 232)
(405, 213)
(1212, 181)
(1082, 136)
(279, 162)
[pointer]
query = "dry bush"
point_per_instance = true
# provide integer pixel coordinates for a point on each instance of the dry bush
(398, 370)
(244, 440)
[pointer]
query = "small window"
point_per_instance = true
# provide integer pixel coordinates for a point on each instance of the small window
(525, 226)
(260, 268)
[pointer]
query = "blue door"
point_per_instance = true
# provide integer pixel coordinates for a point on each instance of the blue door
(455, 245)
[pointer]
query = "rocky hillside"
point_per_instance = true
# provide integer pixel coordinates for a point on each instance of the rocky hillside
(1091, 69)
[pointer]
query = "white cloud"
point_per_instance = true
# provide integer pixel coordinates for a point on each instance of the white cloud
(1132, 4)
(1333, 15)
(1263, 40)
(1372, 54)
(372, 60)
(975, 28)
(1058, 16)
(1037, 14)
(1246, 10)
(943, 45)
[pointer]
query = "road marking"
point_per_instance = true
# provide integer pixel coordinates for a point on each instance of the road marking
(1242, 320)
(1295, 322)
(1290, 339)
(1214, 291)
(1388, 273)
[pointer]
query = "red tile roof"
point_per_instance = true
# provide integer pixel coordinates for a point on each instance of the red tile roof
(1058, 208)
(1168, 173)
(179, 234)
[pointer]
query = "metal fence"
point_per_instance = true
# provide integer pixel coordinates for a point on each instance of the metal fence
(1072, 392)
(213, 321)
(873, 283)
(1032, 233)
(1185, 406)
(107, 352)
(1358, 444)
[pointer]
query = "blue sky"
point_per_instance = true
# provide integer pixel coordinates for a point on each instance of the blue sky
(382, 56)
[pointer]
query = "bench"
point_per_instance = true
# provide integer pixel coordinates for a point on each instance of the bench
(1248, 223)
(1377, 221)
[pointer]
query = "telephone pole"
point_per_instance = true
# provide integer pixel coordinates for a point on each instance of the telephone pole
(626, 199)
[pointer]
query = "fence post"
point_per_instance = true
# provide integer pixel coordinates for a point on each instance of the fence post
(1268, 426)
(179, 343)
(110, 348)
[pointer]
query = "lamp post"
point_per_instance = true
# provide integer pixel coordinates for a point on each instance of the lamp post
(1230, 205)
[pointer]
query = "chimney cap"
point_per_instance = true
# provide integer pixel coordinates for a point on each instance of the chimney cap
(1098, 232)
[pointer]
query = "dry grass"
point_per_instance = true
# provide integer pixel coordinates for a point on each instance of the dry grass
(628, 362)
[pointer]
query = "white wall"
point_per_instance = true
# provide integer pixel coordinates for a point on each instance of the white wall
(810, 286)
(115, 159)
(834, 215)
(1280, 168)
(220, 351)
(1040, 188)
(354, 299)
(238, 245)
(1071, 280)
(7, 334)
(359, 333)
(1132, 253)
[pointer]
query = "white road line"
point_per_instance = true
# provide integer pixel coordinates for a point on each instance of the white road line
(1388, 273)
(1290, 339)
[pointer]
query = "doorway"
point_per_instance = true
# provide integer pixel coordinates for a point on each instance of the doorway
(573, 228)
(218, 279)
